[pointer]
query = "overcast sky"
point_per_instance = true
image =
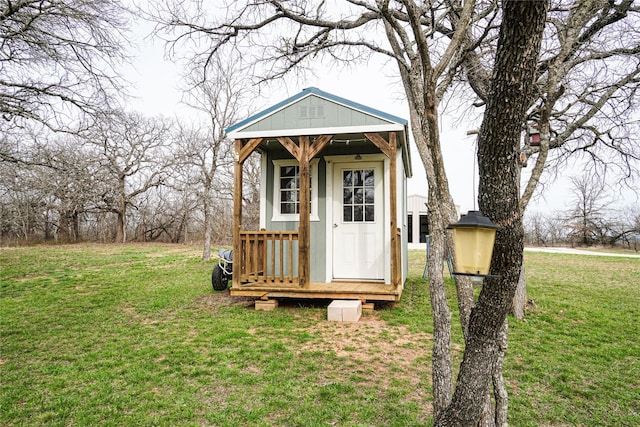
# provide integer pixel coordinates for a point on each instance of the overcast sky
(155, 84)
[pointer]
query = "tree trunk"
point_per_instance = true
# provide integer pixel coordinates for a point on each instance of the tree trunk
(464, 291)
(63, 227)
(499, 144)
(520, 298)
(488, 411)
(121, 212)
(75, 226)
(441, 212)
(441, 354)
(206, 206)
(499, 388)
(120, 233)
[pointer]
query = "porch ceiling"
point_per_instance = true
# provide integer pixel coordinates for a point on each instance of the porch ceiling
(355, 142)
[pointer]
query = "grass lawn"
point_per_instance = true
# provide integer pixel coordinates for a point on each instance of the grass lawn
(127, 335)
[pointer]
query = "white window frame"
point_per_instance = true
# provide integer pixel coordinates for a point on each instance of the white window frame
(277, 216)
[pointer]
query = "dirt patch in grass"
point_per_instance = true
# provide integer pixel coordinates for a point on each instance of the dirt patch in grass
(370, 351)
(224, 299)
(169, 249)
(368, 339)
(371, 340)
(373, 349)
(383, 355)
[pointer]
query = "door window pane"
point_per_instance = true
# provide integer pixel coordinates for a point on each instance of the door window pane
(369, 213)
(358, 189)
(357, 213)
(369, 195)
(347, 179)
(347, 196)
(347, 213)
(357, 179)
(368, 178)
(358, 198)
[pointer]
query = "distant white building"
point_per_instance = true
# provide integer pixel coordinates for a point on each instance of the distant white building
(417, 221)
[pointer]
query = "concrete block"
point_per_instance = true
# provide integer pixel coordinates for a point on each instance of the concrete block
(266, 305)
(344, 310)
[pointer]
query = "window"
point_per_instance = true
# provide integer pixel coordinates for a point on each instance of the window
(424, 228)
(286, 200)
(289, 189)
(358, 195)
(410, 227)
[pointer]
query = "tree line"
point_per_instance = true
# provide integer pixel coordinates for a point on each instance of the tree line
(592, 219)
(127, 178)
(76, 164)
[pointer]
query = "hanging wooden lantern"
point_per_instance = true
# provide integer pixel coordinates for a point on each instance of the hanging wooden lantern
(473, 236)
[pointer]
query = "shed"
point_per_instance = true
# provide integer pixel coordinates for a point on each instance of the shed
(332, 201)
(417, 221)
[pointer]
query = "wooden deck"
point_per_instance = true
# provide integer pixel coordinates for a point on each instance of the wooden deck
(366, 291)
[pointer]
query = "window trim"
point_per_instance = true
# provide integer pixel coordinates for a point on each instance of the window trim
(276, 215)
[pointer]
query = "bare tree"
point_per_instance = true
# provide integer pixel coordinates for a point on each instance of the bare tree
(201, 159)
(165, 213)
(58, 59)
(133, 151)
(587, 90)
(630, 235)
(278, 37)
(588, 222)
(218, 93)
(587, 216)
(544, 229)
(251, 192)
(586, 85)
(69, 174)
(535, 230)
(592, 220)
(517, 53)
(62, 177)
(21, 205)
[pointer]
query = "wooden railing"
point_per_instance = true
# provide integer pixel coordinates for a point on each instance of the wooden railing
(268, 257)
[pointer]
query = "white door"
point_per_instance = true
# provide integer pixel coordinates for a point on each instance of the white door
(358, 223)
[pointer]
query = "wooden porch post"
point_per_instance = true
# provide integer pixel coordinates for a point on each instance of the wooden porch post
(304, 262)
(304, 152)
(390, 149)
(240, 153)
(237, 212)
(393, 209)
